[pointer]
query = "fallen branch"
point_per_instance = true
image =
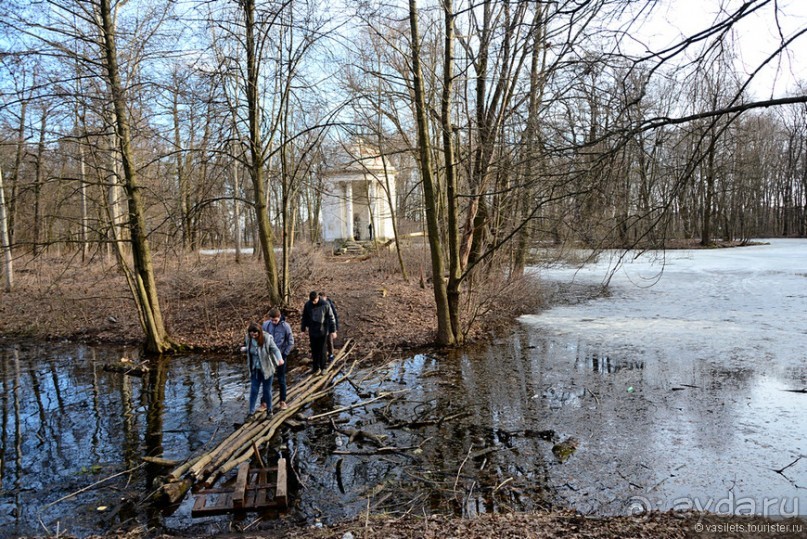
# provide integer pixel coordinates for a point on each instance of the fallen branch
(380, 451)
(420, 423)
(88, 487)
(500, 485)
(781, 471)
(351, 407)
(159, 461)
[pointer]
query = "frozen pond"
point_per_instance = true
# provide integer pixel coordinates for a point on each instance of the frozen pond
(715, 349)
(678, 391)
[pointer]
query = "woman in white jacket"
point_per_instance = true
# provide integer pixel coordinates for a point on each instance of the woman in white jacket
(263, 357)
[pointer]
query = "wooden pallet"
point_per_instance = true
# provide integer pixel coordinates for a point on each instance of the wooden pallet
(254, 490)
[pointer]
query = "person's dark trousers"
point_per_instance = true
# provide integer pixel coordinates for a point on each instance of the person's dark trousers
(329, 343)
(280, 372)
(318, 352)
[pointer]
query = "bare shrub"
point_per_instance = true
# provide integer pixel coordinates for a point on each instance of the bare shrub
(495, 299)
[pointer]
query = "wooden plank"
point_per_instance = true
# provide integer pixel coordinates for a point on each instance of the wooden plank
(281, 493)
(203, 507)
(215, 491)
(224, 503)
(249, 493)
(199, 504)
(240, 485)
(260, 493)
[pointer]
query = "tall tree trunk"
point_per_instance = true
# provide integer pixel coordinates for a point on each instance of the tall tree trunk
(256, 157)
(85, 220)
(114, 195)
(445, 334)
(5, 244)
(708, 196)
(40, 170)
(393, 213)
(454, 265)
(15, 172)
(234, 164)
(157, 339)
(531, 139)
(182, 180)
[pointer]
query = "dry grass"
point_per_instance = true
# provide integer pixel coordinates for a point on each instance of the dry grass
(208, 300)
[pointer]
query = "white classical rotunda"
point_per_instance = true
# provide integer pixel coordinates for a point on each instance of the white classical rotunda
(355, 199)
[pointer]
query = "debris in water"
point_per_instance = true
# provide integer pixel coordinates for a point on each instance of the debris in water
(565, 449)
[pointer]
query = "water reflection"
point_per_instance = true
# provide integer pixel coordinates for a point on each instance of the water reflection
(68, 423)
(606, 364)
(469, 432)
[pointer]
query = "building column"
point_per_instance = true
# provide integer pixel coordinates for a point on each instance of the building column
(372, 204)
(349, 209)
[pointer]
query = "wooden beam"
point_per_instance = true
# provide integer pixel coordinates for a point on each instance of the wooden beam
(240, 485)
(281, 493)
(260, 488)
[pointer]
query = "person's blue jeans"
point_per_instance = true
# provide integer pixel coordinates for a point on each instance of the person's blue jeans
(257, 380)
(281, 378)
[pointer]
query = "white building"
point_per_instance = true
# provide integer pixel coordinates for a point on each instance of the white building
(355, 199)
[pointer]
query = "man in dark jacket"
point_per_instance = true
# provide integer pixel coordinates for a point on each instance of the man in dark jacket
(318, 321)
(331, 336)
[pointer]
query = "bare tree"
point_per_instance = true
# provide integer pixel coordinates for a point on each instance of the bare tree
(145, 285)
(445, 333)
(5, 243)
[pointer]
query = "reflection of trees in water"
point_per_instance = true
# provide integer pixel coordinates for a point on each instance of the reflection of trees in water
(719, 377)
(154, 395)
(455, 468)
(96, 406)
(495, 385)
(67, 423)
(42, 432)
(4, 419)
(574, 400)
(130, 439)
(462, 460)
(604, 363)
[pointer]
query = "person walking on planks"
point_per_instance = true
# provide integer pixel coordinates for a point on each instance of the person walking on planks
(279, 329)
(318, 321)
(331, 336)
(263, 358)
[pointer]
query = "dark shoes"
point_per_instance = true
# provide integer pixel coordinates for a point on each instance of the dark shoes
(330, 358)
(258, 415)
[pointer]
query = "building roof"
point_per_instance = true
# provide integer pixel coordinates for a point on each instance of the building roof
(358, 158)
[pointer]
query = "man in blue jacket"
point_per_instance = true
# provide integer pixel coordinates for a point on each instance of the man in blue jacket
(318, 321)
(280, 330)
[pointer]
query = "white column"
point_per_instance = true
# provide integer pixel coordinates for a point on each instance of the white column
(349, 209)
